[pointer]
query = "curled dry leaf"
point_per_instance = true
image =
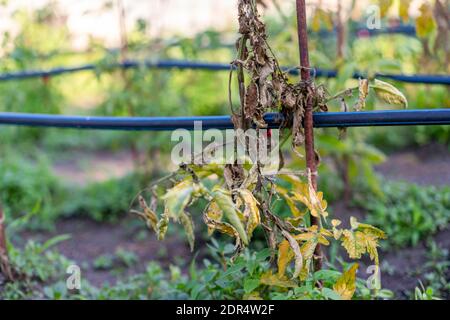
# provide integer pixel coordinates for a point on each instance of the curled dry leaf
(389, 94)
(297, 253)
(223, 227)
(363, 93)
(213, 213)
(188, 224)
(251, 211)
(163, 225)
(285, 256)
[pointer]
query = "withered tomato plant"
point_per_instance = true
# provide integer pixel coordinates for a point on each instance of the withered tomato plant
(241, 196)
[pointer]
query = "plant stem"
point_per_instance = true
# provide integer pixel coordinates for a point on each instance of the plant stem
(311, 162)
(5, 267)
(340, 33)
(126, 80)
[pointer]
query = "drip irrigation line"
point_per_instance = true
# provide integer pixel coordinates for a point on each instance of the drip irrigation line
(207, 66)
(274, 120)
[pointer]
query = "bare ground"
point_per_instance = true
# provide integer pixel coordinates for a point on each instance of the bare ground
(428, 165)
(90, 240)
(93, 167)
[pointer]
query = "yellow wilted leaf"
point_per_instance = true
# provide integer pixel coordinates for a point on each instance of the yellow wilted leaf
(367, 228)
(425, 23)
(307, 251)
(177, 198)
(270, 279)
(385, 5)
(335, 222)
(371, 230)
(206, 170)
(305, 193)
(371, 246)
(322, 240)
(296, 182)
(149, 215)
(162, 225)
(213, 212)
(345, 286)
(297, 252)
(321, 204)
(315, 23)
(304, 236)
(215, 224)
(365, 239)
(337, 233)
(252, 296)
(289, 201)
(354, 223)
(404, 10)
(389, 94)
(285, 256)
(321, 17)
(326, 233)
(312, 199)
(353, 243)
(225, 203)
(188, 225)
(251, 211)
(363, 93)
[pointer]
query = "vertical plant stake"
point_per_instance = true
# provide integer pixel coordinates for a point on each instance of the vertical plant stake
(241, 195)
(311, 162)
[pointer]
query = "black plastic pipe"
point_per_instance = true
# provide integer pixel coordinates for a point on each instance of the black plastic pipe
(321, 120)
(209, 66)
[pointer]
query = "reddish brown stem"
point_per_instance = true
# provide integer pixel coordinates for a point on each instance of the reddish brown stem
(311, 162)
(340, 28)
(123, 58)
(5, 267)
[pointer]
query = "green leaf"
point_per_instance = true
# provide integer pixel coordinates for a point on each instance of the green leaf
(225, 203)
(54, 241)
(330, 294)
(250, 285)
(178, 197)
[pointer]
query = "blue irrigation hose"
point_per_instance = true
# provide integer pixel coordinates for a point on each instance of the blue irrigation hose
(321, 120)
(209, 66)
(409, 30)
